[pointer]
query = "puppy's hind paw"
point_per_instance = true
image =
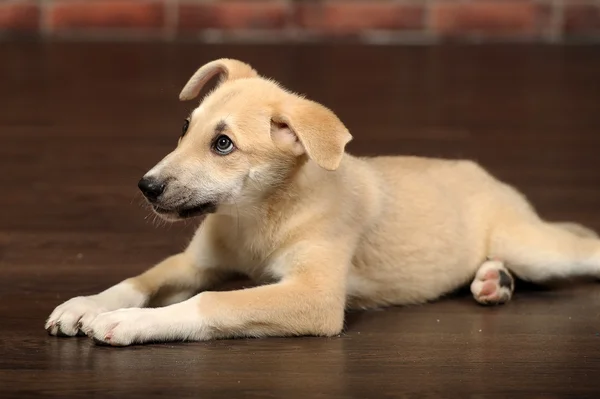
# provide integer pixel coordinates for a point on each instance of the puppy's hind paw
(493, 284)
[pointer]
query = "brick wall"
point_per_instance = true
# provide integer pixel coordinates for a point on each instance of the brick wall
(281, 20)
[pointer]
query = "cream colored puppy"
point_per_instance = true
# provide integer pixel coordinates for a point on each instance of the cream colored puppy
(320, 229)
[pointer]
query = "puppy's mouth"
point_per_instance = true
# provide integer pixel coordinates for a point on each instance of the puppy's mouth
(185, 212)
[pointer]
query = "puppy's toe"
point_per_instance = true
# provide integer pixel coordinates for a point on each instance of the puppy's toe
(117, 328)
(66, 319)
(67, 326)
(51, 327)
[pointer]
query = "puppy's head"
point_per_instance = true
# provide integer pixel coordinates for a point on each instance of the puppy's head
(242, 142)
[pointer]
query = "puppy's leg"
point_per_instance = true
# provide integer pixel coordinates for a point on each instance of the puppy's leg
(493, 284)
(175, 278)
(282, 309)
(308, 303)
(538, 251)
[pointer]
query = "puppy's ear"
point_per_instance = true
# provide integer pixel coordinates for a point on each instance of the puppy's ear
(307, 127)
(228, 69)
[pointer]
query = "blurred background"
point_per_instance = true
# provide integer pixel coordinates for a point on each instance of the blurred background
(372, 21)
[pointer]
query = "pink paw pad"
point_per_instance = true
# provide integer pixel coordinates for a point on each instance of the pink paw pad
(491, 274)
(488, 288)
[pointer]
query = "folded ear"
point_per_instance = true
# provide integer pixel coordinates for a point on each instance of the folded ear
(228, 69)
(311, 128)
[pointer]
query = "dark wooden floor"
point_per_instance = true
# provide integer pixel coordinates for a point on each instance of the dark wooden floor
(79, 124)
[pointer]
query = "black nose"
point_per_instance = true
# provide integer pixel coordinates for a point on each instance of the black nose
(151, 188)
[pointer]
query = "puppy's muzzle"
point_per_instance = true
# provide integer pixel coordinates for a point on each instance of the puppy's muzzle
(151, 187)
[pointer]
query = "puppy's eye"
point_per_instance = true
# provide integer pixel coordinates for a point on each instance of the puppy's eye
(184, 128)
(223, 145)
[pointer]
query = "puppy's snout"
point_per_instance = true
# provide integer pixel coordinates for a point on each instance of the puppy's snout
(151, 187)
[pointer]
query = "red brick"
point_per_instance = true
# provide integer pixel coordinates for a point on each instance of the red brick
(492, 17)
(94, 14)
(581, 18)
(23, 16)
(232, 15)
(356, 16)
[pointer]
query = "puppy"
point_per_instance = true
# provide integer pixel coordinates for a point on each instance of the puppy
(319, 229)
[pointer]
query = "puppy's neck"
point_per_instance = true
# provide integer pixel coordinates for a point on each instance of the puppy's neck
(277, 204)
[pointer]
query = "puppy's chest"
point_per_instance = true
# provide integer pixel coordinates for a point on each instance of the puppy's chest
(252, 255)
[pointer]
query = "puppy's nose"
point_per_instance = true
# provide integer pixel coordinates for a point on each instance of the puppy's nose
(151, 187)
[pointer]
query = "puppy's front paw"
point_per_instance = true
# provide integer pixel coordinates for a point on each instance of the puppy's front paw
(73, 316)
(124, 327)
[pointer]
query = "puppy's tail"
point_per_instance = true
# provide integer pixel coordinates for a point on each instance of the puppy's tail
(577, 229)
